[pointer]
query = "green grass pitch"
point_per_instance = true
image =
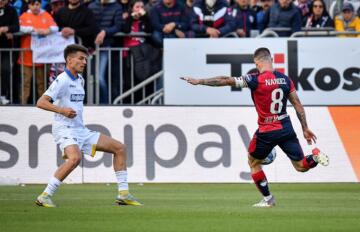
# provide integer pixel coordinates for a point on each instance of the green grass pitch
(183, 207)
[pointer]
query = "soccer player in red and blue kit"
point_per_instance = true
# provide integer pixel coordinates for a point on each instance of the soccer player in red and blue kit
(270, 91)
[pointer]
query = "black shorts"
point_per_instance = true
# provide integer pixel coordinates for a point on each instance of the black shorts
(262, 144)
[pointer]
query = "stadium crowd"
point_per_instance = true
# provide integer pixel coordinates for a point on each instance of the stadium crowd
(96, 22)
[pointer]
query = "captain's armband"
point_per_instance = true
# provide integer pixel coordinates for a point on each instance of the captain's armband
(240, 82)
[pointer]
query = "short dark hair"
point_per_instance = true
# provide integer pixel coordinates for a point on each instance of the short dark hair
(31, 2)
(74, 48)
(262, 53)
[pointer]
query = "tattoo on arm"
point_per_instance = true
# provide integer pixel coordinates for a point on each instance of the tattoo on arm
(300, 112)
(218, 81)
(302, 118)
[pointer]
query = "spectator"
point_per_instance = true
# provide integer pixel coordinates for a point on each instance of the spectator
(55, 69)
(125, 6)
(190, 14)
(260, 16)
(189, 6)
(21, 6)
(150, 4)
(304, 7)
(283, 14)
(86, 2)
(39, 22)
(347, 20)
(147, 59)
(318, 17)
(138, 21)
(108, 16)
(168, 20)
(76, 19)
(244, 18)
(55, 6)
(209, 20)
(255, 6)
(9, 23)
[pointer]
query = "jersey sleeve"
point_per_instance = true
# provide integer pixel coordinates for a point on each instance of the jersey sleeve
(291, 84)
(56, 89)
(240, 82)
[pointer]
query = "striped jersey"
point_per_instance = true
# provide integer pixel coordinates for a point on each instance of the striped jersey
(269, 92)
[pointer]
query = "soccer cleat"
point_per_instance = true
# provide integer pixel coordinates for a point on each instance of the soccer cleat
(320, 157)
(128, 199)
(265, 203)
(45, 201)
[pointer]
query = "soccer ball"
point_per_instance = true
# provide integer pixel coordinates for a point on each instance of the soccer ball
(270, 158)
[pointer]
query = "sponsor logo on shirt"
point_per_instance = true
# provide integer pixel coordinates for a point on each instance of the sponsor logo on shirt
(77, 97)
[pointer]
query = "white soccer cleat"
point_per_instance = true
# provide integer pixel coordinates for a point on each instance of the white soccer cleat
(44, 200)
(265, 203)
(320, 157)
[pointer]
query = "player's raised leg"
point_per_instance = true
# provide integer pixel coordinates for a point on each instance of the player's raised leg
(301, 163)
(110, 145)
(73, 158)
(311, 161)
(261, 183)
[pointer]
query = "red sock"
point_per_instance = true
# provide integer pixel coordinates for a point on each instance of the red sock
(261, 182)
(309, 162)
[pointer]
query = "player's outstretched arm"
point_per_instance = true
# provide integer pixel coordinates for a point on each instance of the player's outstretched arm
(215, 81)
(300, 112)
(45, 104)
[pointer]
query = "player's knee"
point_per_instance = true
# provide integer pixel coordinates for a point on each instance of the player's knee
(119, 148)
(74, 161)
(252, 162)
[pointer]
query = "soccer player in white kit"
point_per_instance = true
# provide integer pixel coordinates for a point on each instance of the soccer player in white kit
(65, 98)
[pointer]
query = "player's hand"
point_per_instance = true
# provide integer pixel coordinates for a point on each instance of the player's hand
(190, 80)
(68, 112)
(309, 136)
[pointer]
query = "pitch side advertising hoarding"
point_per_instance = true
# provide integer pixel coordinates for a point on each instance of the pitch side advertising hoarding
(175, 144)
(325, 71)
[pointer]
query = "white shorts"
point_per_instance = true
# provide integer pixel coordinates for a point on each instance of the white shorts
(83, 137)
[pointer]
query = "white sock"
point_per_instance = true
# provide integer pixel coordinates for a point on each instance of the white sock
(52, 186)
(121, 177)
(268, 197)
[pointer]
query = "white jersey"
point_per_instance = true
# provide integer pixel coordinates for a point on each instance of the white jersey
(68, 91)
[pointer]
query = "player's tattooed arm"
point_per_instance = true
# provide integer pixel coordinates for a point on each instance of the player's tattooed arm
(301, 116)
(300, 112)
(215, 81)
